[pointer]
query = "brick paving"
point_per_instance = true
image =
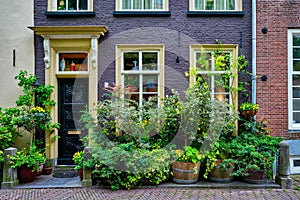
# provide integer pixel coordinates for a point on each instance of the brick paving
(149, 194)
(154, 193)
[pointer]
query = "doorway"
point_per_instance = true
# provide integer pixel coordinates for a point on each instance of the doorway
(72, 99)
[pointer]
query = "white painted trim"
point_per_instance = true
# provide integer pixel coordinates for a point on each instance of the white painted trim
(294, 170)
(290, 80)
(47, 52)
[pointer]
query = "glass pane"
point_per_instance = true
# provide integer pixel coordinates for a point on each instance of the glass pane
(131, 61)
(204, 61)
(137, 4)
(209, 5)
(296, 40)
(146, 96)
(222, 61)
(149, 60)
(158, 4)
(61, 4)
(230, 5)
(134, 97)
(150, 83)
(296, 117)
(221, 81)
(199, 5)
(296, 92)
(296, 52)
(72, 4)
(147, 4)
(221, 97)
(126, 4)
(220, 5)
(204, 78)
(73, 61)
(296, 65)
(83, 5)
(296, 105)
(132, 81)
(296, 80)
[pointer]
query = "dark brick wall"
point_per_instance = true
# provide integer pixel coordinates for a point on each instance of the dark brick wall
(155, 30)
(272, 60)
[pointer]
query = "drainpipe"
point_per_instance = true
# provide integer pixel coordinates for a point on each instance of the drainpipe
(253, 51)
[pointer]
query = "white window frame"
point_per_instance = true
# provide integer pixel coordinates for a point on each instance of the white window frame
(52, 6)
(291, 72)
(120, 72)
(164, 8)
(238, 6)
(232, 49)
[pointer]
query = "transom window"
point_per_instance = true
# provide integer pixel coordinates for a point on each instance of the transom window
(294, 79)
(215, 5)
(141, 72)
(142, 5)
(70, 5)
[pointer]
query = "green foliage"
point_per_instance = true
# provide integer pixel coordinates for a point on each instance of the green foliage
(31, 157)
(189, 155)
(249, 106)
(78, 159)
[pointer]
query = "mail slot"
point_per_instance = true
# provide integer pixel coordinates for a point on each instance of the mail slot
(75, 132)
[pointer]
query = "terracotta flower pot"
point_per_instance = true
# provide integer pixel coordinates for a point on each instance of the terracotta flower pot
(80, 173)
(25, 174)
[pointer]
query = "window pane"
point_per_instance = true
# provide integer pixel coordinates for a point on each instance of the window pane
(158, 4)
(296, 40)
(296, 92)
(209, 4)
(83, 5)
(296, 117)
(296, 53)
(149, 60)
(147, 4)
(137, 4)
(132, 81)
(204, 61)
(199, 5)
(150, 83)
(220, 5)
(222, 61)
(72, 4)
(61, 4)
(73, 61)
(230, 4)
(126, 4)
(296, 80)
(296, 105)
(131, 61)
(296, 65)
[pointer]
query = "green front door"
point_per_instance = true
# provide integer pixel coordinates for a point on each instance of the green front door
(72, 99)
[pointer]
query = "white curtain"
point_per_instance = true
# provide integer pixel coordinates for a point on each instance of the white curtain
(158, 4)
(220, 4)
(137, 4)
(126, 4)
(198, 5)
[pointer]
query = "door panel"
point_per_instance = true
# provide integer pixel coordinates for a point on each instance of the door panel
(72, 99)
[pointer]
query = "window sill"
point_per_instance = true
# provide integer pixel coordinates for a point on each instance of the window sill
(70, 14)
(142, 13)
(215, 14)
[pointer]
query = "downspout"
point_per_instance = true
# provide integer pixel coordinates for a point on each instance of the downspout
(253, 51)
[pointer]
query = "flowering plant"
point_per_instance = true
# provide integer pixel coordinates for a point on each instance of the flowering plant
(249, 106)
(30, 158)
(190, 154)
(78, 159)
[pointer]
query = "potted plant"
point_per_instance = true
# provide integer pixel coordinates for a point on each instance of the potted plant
(248, 109)
(47, 167)
(187, 165)
(78, 160)
(27, 161)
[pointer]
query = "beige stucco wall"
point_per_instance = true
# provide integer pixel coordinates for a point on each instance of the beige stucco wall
(15, 17)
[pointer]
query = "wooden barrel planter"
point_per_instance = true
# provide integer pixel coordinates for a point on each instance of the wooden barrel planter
(185, 172)
(221, 176)
(256, 177)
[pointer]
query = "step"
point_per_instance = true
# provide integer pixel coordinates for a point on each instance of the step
(64, 171)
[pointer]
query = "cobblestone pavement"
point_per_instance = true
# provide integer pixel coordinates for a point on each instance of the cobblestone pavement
(153, 193)
(149, 194)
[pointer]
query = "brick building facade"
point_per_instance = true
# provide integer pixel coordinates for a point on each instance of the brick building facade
(277, 95)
